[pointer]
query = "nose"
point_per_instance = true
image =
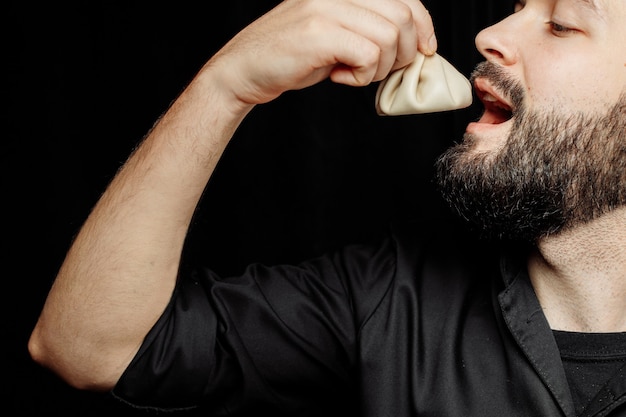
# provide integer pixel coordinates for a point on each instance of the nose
(497, 43)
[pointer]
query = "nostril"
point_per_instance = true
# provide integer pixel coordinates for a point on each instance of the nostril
(494, 52)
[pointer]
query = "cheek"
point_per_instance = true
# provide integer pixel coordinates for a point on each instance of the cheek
(572, 85)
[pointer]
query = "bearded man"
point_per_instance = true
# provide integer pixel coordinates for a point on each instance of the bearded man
(415, 326)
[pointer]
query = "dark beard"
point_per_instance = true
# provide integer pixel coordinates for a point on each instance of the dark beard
(554, 171)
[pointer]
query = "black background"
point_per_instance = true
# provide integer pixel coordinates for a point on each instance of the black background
(311, 171)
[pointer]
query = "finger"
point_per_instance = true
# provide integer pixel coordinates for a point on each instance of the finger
(357, 60)
(383, 27)
(400, 16)
(427, 40)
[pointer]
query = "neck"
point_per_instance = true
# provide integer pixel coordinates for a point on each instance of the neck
(579, 276)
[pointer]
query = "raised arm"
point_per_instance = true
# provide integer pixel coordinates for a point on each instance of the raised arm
(121, 269)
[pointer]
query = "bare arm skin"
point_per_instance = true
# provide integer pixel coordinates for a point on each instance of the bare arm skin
(120, 271)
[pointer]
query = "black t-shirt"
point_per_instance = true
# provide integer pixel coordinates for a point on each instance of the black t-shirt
(411, 327)
(592, 361)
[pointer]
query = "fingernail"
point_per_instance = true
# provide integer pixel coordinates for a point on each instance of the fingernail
(432, 43)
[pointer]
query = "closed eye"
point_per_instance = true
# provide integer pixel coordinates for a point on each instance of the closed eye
(560, 30)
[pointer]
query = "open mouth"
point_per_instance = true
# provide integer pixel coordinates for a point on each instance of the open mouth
(497, 109)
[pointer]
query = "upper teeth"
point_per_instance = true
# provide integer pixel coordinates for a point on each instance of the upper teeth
(497, 103)
(489, 97)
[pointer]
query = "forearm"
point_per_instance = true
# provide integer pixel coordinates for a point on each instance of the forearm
(121, 269)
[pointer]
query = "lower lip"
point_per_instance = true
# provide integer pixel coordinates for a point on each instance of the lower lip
(477, 127)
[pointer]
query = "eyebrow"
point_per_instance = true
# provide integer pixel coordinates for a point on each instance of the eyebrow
(591, 5)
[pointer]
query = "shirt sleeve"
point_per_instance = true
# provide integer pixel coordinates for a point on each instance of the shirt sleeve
(280, 337)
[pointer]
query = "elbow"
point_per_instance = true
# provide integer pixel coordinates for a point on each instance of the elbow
(41, 353)
(38, 352)
(74, 369)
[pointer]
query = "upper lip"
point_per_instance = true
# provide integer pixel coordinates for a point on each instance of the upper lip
(488, 94)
